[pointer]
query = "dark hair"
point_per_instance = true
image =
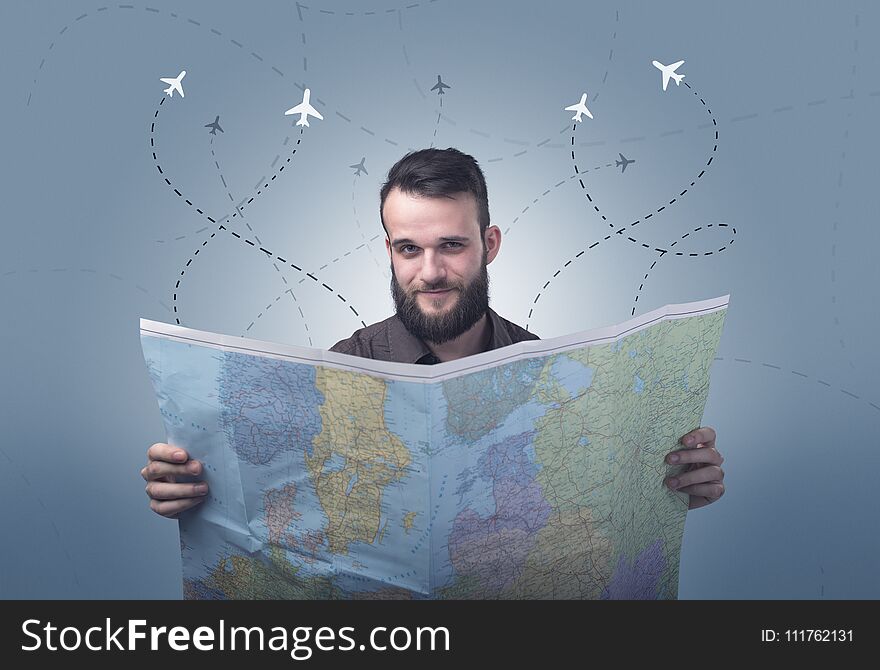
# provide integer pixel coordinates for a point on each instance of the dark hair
(437, 173)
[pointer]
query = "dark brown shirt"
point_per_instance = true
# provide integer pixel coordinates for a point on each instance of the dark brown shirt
(389, 340)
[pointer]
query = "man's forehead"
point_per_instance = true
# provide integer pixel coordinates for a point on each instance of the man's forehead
(409, 215)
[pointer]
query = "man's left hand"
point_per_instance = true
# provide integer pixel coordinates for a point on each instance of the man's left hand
(703, 479)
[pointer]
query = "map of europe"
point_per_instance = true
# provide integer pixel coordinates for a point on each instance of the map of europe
(534, 471)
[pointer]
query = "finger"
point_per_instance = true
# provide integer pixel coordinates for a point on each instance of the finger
(171, 508)
(708, 473)
(166, 452)
(699, 501)
(704, 436)
(707, 455)
(711, 490)
(159, 470)
(165, 491)
(145, 473)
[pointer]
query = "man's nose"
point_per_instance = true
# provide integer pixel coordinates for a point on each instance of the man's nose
(432, 271)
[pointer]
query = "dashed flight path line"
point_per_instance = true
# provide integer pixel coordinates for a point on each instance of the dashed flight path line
(367, 242)
(675, 199)
(610, 52)
(437, 123)
(33, 491)
(229, 192)
(839, 193)
(154, 12)
(548, 190)
(644, 219)
(335, 260)
(299, 8)
(369, 12)
(357, 222)
(221, 227)
(801, 375)
(89, 271)
(242, 203)
(509, 140)
(218, 35)
(269, 306)
(690, 255)
(289, 291)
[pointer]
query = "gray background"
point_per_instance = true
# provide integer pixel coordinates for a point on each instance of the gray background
(93, 238)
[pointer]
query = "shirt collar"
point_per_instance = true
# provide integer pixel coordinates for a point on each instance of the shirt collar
(407, 348)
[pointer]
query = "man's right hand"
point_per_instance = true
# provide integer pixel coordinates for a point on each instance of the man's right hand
(166, 464)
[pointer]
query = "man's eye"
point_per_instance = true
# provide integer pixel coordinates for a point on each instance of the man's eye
(407, 248)
(455, 244)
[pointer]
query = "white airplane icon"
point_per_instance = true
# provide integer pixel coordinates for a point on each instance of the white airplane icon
(669, 71)
(304, 109)
(579, 108)
(174, 83)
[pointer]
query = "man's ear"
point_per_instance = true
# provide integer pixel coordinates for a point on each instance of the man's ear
(388, 247)
(492, 242)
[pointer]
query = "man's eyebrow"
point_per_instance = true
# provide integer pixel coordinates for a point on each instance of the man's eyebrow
(449, 238)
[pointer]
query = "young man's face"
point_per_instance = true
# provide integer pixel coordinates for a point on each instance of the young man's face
(438, 262)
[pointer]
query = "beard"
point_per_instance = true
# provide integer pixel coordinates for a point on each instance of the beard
(472, 303)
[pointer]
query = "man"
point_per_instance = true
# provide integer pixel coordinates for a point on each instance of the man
(435, 211)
